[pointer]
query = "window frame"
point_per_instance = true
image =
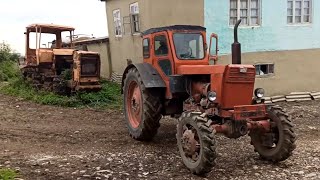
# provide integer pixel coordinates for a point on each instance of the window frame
(203, 40)
(155, 50)
(117, 23)
(135, 18)
(143, 50)
(269, 74)
(302, 12)
(249, 8)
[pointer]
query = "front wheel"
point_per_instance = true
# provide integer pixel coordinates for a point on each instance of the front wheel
(196, 142)
(278, 144)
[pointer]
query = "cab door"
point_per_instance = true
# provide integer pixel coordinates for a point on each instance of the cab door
(162, 54)
(162, 58)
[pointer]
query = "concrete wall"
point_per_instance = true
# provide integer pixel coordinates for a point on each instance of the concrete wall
(272, 35)
(127, 46)
(296, 70)
(102, 48)
(174, 12)
(153, 13)
(294, 49)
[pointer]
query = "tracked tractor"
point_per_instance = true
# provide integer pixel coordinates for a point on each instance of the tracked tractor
(176, 79)
(54, 68)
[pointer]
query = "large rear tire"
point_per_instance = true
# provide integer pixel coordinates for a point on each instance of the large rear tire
(196, 142)
(142, 107)
(278, 144)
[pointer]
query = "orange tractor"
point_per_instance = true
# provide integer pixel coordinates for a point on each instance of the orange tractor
(176, 79)
(55, 68)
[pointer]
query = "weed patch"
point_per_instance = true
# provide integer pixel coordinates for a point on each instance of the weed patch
(7, 174)
(109, 96)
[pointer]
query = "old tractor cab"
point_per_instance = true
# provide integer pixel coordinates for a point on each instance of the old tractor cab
(176, 79)
(49, 66)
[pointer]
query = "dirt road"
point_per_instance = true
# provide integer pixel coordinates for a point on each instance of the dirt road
(44, 142)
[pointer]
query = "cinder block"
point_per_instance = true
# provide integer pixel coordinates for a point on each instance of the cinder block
(298, 96)
(278, 100)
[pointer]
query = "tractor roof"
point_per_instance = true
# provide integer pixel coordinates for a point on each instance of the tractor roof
(49, 28)
(174, 28)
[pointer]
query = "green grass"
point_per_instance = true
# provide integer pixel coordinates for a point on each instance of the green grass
(109, 96)
(7, 174)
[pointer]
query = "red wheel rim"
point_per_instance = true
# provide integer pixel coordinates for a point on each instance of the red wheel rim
(134, 104)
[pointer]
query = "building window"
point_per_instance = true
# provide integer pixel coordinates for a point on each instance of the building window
(117, 23)
(134, 18)
(264, 69)
(161, 45)
(146, 48)
(246, 10)
(299, 11)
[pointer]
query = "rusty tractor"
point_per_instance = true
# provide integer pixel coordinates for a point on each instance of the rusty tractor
(58, 69)
(176, 79)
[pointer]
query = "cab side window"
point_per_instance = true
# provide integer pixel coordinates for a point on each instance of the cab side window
(160, 45)
(146, 48)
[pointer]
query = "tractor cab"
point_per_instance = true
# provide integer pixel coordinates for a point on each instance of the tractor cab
(170, 47)
(44, 41)
(181, 54)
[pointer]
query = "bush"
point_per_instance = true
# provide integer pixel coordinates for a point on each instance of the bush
(8, 70)
(8, 65)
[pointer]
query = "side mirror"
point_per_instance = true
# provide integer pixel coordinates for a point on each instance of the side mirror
(213, 49)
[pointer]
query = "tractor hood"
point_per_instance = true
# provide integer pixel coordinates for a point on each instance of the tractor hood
(63, 52)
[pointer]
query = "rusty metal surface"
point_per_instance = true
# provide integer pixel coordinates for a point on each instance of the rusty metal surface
(45, 55)
(63, 52)
(49, 28)
(250, 112)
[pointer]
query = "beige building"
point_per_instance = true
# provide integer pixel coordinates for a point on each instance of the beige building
(128, 18)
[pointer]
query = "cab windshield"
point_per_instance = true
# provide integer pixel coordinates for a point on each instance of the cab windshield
(189, 46)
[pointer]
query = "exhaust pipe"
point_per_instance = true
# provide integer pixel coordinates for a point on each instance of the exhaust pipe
(236, 46)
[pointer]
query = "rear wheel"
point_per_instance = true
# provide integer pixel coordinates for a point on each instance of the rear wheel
(278, 144)
(196, 143)
(142, 107)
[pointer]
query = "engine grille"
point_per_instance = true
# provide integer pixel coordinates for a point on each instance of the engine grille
(237, 75)
(89, 65)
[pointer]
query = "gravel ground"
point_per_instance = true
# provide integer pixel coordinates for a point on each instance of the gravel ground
(45, 142)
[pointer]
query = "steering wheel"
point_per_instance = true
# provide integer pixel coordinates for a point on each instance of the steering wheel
(188, 54)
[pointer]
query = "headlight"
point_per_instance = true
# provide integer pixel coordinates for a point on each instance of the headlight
(212, 96)
(259, 93)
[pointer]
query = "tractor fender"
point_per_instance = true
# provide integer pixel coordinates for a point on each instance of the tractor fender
(149, 75)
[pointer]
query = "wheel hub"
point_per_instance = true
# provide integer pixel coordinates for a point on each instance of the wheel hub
(190, 144)
(134, 104)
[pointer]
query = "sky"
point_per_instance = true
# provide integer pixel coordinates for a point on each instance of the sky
(87, 16)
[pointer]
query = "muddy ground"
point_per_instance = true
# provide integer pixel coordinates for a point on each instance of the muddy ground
(45, 142)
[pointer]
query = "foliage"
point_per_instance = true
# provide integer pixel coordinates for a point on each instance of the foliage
(7, 174)
(109, 95)
(8, 68)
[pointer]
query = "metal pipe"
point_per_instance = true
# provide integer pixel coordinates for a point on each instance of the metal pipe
(236, 46)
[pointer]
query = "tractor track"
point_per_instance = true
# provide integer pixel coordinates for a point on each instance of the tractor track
(46, 142)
